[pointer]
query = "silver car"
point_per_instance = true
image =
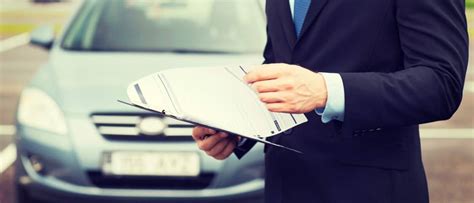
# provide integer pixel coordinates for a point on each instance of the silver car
(77, 144)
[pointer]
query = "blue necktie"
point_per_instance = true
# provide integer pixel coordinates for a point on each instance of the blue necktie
(301, 8)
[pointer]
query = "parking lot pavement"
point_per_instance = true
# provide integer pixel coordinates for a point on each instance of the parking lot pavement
(6, 186)
(449, 166)
(449, 162)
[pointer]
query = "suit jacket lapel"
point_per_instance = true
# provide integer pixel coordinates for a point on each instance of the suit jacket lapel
(284, 13)
(314, 10)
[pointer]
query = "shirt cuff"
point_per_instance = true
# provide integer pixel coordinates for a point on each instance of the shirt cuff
(334, 109)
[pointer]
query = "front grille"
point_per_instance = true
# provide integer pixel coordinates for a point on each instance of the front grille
(129, 126)
(150, 182)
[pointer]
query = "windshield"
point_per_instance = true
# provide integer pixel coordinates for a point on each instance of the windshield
(206, 26)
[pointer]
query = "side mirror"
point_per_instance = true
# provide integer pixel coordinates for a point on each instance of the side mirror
(43, 36)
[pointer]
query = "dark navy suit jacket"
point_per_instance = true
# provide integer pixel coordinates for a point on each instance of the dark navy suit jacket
(403, 63)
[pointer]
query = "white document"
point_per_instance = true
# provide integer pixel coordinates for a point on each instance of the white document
(215, 97)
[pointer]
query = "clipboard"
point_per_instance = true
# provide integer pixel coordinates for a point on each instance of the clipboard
(163, 113)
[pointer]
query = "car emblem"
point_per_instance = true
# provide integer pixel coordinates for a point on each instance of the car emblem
(151, 126)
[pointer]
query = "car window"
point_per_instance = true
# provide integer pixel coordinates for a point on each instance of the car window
(227, 26)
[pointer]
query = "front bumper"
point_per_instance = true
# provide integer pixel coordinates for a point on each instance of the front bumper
(68, 180)
(53, 189)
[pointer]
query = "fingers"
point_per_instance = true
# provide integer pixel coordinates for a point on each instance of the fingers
(227, 150)
(219, 147)
(208, 143)
(266, 86)
(280, 84)
(199, 132)
(272, 97)
(282, 107)
(264, 72)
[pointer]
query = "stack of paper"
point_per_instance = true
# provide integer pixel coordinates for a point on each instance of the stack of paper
(215, 97)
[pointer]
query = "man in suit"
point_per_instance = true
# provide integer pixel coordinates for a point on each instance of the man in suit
(366, 73)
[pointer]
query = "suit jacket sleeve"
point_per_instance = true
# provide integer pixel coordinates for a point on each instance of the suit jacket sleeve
(246, 147)
(434, 42)
(268, 58)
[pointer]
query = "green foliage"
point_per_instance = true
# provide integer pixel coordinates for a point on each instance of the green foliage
(469, 3)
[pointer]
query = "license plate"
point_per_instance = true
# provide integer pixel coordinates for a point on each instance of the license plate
(151, 163)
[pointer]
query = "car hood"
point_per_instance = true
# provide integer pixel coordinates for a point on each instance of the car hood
(92, 82)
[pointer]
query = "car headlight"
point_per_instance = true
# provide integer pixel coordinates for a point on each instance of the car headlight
(38, 110)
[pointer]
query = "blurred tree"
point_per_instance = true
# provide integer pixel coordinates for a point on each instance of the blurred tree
(469, 3)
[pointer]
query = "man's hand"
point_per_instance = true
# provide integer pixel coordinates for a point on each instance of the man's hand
(216, 144)
(288, 88)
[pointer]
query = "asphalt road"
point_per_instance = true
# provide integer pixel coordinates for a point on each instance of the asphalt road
(448, 146)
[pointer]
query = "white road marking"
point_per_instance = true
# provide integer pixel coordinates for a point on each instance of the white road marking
(446, 133)
(469, 86)
(14, 42)
(7, 130)
(7, 157)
